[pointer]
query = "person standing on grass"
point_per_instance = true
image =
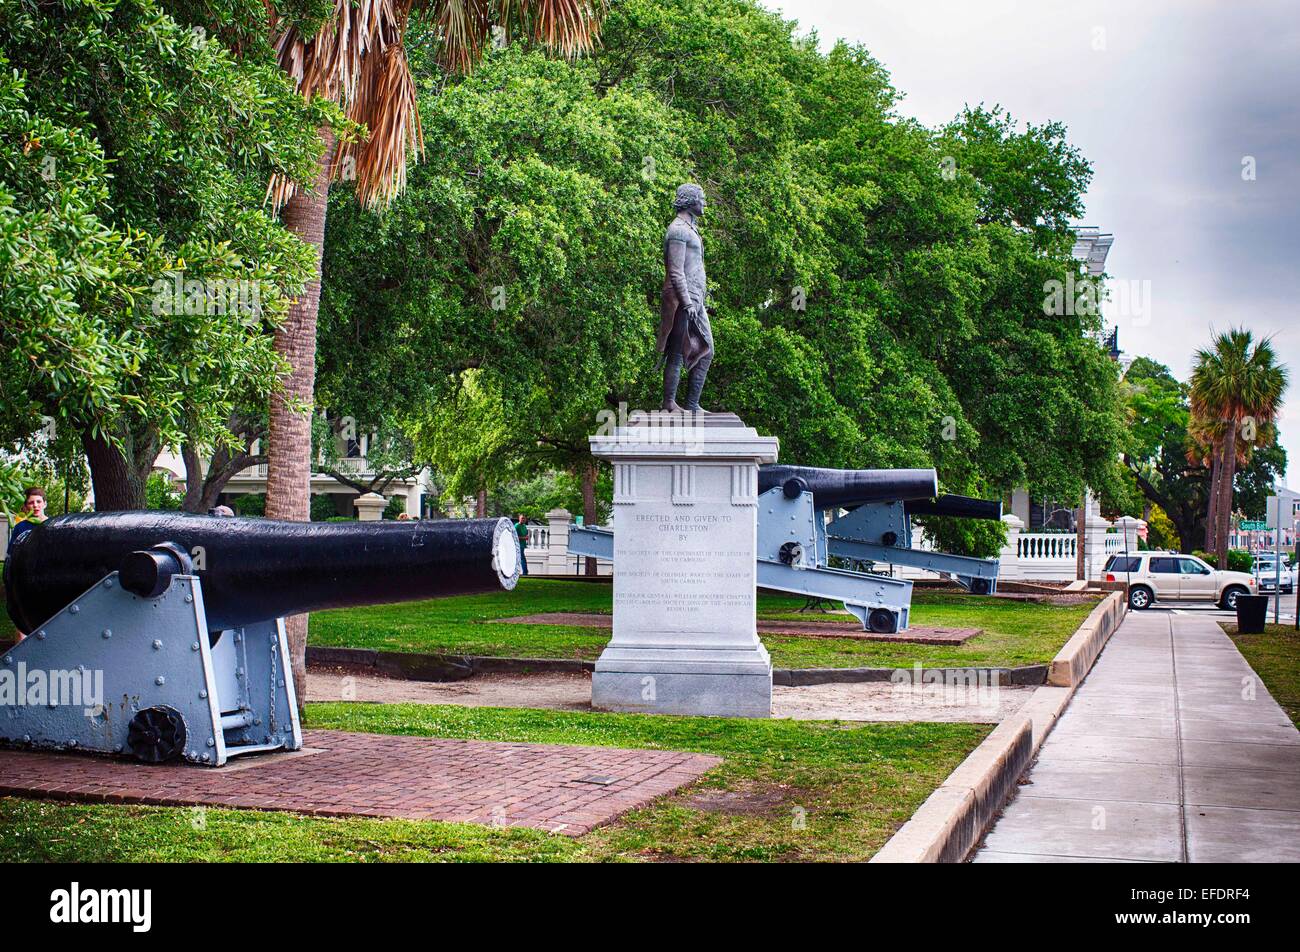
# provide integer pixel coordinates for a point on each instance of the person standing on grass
(521, 530)
(31, 516)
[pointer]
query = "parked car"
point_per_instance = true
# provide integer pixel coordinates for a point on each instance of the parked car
(1269, 575)
(1171, 576)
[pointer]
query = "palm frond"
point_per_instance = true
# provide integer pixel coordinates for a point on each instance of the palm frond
(357, 59)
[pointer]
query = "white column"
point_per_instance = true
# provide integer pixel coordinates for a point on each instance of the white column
(1130, 527)
(414, 497)
(558, 560)
(370, 507)
(1094, 554)
(1009, 559)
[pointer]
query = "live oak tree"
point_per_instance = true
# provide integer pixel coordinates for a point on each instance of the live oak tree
(141, 275)
(507, 294)
(881, 290)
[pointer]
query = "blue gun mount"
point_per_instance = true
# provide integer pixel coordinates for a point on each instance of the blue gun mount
(881, 532)
(793, 556)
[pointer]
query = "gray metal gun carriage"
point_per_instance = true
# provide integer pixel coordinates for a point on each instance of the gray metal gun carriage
(807, 516)
(179, 619)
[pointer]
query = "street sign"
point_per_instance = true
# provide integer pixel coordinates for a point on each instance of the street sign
(1254, 525)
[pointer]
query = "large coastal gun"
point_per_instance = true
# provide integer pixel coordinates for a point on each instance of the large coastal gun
(807, 515)
(162, 635)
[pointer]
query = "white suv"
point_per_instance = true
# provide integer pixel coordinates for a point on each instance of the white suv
(1174, 576)
(1266, 571)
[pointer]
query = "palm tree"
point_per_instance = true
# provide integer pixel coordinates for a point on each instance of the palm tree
(358, 60)
(1236, 392)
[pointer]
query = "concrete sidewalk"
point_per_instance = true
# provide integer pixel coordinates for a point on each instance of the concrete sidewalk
(1172, 750)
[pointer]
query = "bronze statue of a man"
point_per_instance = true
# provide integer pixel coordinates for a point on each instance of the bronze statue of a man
(685, 337)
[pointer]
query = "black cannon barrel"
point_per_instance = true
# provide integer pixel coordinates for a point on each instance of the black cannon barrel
(964, 506)
(257, 569)
(833, 488)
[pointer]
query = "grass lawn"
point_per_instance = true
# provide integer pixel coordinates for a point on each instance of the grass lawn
(1015, 633)
(786, 790)
(1275, 656)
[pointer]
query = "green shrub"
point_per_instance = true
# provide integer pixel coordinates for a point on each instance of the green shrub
(159, 493)
(322, 507)
(249, 504)
(1239, 560)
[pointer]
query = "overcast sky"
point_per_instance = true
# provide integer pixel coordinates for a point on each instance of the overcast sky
(1167, 99)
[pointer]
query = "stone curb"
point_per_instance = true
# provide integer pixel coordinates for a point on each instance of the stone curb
(437, 667)
(1073, 662)
(955, 815)
(951, 821)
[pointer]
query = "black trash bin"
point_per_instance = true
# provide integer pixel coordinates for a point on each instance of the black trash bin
(1252, 610)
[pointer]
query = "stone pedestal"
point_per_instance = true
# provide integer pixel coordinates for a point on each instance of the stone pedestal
(686, 511)
(370, 507)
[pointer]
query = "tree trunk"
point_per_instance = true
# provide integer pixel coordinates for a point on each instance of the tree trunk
(288, 477)
(589, 506)
(204, 487)
(1211, 516)
(480, 504)
(118, 481)
(1228, 471)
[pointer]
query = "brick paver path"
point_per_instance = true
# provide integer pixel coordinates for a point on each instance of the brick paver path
(350, 774)
(1171, 751)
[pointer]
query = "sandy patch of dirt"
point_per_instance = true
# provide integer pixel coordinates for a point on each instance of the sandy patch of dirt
(872, 701)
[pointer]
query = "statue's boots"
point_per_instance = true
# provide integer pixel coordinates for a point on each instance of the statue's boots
(695, 387)
(672, 377)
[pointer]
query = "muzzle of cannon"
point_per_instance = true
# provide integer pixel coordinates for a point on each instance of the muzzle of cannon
(839, 488)
(162, 634)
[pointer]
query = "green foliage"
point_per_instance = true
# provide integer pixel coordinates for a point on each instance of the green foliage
(396, 506)
(978, 538)
(525, 245)
(161, 494)
(1161, 532)
(1164, 467)
(141, 272)
(1239, 560)
(250, 504)
(322, 507)
(879, 287)
(538, 495)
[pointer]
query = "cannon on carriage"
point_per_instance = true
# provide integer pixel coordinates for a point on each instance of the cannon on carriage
(161, 634)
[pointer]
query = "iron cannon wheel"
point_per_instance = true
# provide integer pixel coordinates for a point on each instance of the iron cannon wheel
(882, 621)
(156, 735)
